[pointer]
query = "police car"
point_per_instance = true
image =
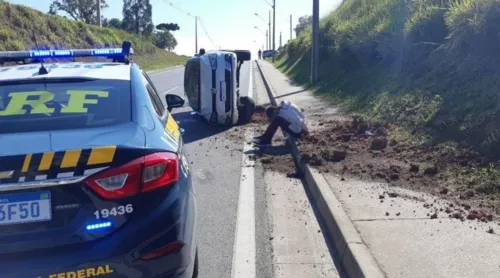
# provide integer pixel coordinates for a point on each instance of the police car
(93, 179)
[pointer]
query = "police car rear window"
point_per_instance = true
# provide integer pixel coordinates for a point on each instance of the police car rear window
(63, 104)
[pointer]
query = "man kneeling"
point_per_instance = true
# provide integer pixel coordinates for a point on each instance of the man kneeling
(288, 117)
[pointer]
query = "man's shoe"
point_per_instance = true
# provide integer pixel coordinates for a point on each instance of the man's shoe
(258, 139)
(262, 143)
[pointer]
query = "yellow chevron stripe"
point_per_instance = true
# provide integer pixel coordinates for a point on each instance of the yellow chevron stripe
(172, 128)
(102, 155)
(46, 161)
(71, 158)
(26, 164)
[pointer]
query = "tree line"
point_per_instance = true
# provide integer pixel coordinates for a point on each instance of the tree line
(137, 18)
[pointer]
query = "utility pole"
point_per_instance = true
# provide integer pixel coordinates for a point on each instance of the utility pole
(315, 42)
(99, 22)
(291, 34)
(274, 26)
(280, 39)
(196, 34)
(269, 41)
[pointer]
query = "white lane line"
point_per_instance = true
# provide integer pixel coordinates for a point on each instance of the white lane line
(170, 90)
(156, 72)
(244, 265)
(244, 241)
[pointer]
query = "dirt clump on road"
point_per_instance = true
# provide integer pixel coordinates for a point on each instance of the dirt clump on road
(366, 150)
(276, 157)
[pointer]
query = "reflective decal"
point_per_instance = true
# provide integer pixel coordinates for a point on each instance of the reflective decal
(19, 99)
(70, 158)
(114, 211)
(101, 155)
(6, 174)
(28, 67)
(70, 66)
(37, 101)
(172, 128)
(54, 66)
(85, 272)
(65, 163)
(26, 163)
(78, 98)
(94, 66)
(46, 161)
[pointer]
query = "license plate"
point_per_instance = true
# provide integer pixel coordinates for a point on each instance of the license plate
(24, 208)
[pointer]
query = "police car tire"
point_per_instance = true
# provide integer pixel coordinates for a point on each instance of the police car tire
(246, 109)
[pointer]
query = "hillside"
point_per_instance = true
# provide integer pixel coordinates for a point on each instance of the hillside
(431, 67)
(19, 24)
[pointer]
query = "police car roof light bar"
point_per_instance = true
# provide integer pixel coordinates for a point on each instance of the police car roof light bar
(117, 54)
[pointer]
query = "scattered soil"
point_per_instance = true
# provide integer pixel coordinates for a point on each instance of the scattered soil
(276, 157)
(366, 151)
(356, 149)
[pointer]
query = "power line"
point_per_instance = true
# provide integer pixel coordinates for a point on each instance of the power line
(206, 32)
(193, 16)
(178, 9)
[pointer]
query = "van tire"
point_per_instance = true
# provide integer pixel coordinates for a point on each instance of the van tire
(246, 109)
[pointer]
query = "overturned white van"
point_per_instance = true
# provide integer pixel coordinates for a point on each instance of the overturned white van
(211, 84)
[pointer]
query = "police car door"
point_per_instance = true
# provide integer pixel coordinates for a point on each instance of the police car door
(161, 110)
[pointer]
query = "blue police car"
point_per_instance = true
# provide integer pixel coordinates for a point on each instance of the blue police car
(93, 179)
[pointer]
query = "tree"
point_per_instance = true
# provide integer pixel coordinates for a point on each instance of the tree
(168, 27)
(114, 23)
(137, 16)
(304, 22)
(81, 10)
(165, 40)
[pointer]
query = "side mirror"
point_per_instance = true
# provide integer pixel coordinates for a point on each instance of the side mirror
(174, 101)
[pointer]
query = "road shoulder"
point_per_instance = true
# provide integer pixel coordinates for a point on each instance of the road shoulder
(298, 243)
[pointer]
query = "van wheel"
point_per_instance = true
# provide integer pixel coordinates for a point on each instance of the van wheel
(245, 109)
(195, 268)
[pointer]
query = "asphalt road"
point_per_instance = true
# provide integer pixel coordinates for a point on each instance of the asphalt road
(217, 166)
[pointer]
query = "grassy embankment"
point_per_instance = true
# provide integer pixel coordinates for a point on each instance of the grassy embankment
(430, 67)
(18, 24)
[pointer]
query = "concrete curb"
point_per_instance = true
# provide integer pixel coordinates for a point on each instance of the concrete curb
(356, 258)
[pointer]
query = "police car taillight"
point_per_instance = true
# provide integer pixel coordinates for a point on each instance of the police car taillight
(140, 175)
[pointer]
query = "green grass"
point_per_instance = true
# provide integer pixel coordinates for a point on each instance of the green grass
(430, 66)
(19, 24)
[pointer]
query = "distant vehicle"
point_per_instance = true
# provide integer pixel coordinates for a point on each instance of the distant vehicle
(93, 176)
(211, 84)
(269, 53)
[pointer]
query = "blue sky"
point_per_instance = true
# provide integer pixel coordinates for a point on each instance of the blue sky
(230, 23)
